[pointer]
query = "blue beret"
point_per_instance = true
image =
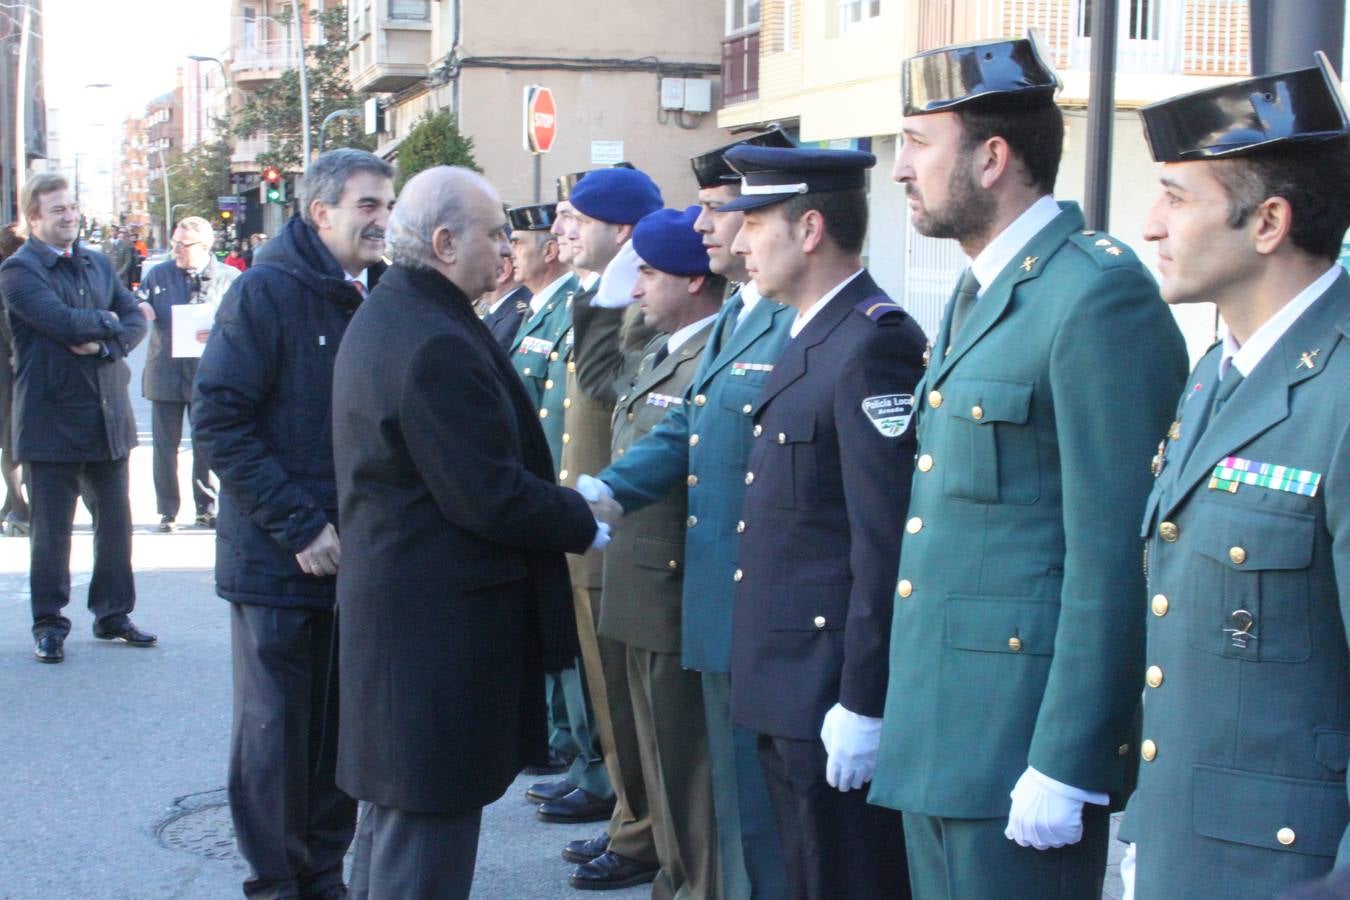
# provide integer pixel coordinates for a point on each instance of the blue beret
(617, 196)
(666, 241)
(774, 174)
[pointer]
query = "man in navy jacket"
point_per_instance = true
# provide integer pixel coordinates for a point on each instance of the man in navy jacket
(73, 324)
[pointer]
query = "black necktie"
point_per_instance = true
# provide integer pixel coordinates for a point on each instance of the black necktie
(661, 355)
(967, 292)
(1227, 385)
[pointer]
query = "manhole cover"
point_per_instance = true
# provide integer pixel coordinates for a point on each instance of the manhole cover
(200, 824)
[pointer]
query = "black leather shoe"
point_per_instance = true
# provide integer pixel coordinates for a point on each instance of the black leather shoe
(581, 852)
(557, 764)
(49, 648)
(549, 791)
(167, 524)
(610, 871)
(208, 520)
(127, 633)
(578, 806)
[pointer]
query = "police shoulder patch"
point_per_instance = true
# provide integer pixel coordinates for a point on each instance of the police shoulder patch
(889, 413)
(877, 307)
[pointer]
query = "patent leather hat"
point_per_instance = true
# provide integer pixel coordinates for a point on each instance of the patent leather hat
(1009, 73)
(712, 170)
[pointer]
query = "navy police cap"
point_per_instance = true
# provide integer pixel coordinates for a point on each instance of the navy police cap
(773, 174)
(1010, 73)
(1301, 106)
(537, 217)
(711, 170)
(666, 241)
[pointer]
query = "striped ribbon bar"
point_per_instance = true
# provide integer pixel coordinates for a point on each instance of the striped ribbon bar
(1235, 471)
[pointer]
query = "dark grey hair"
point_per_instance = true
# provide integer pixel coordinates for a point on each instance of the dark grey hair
(432, 199)
(327, 176)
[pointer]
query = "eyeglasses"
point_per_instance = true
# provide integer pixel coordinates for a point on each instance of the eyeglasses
(179, 245)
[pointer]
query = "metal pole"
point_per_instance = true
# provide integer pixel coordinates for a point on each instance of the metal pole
(21, 103)
(337, 113)
(304, 83)
(168, 205)
(1101, 115)
(538, 177)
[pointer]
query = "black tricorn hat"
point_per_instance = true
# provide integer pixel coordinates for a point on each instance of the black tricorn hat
(712, 170)
(1010, 73)
(536, 217)
(1301, 106)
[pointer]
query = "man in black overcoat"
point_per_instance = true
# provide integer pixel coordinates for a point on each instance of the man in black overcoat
(453, 592)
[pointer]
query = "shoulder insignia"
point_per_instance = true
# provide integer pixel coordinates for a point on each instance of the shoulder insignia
(1029, 262)
(522, 306)
(876, 310)
(1103, 249)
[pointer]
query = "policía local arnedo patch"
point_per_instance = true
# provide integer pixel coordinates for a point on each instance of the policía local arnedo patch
(890, 413)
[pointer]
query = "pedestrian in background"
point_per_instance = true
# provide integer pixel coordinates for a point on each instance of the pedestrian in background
(196, 277)
(73, 324)
(235, 258)
(261, 412)
(454, 591)
(14, 513)
(122, 255)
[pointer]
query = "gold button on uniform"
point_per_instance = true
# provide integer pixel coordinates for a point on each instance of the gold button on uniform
(925, 463)
(543, 414)
(571, 366)
(746, 409)
(903, 587)
(700, 400)
(1154, 676)
(1169, 532)
(692, 480)
(567, 403)
(691, 521)
(782, 438)
(819, 621)
(693, 440)
(1148, 750)
(553, 357)
(548, 385)
(757, 430)
(672, 564)
(525, 371)
(749, 477)
(1014, 644)
(567, 438)
(935, 399)
(1159, 605)
(740, 527)
(977, 413)
(1285, 836)
(632, 416)
(738, 576)
(914, 525)
(1237, 555)
(562, 475)
(620, 452)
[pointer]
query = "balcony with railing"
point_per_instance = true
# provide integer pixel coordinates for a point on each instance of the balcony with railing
(244, 154)
(261, 59)
(740, 68)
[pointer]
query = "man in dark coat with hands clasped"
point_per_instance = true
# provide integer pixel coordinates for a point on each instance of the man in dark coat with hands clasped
(454, 591)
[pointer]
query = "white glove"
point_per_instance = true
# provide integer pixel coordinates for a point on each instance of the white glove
(601, 539)
(1046, 813)
(593, 488)
(1127, 872)
(851, 742)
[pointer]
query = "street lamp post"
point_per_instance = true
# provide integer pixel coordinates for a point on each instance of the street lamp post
(304, 82)
(350, 113)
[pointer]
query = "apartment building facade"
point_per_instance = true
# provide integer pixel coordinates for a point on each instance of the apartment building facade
(636, 82)
(829, 70)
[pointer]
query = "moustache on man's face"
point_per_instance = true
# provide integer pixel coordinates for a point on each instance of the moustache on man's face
(373, 234)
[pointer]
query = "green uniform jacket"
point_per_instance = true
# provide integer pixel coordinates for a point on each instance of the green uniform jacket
(644, 565)
(705, 443)
(1018, 635)
(536, 340)
(1247, 696)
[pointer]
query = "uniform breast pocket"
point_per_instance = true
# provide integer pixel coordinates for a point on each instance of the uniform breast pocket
(737, 396)
(789, 464)
(1248, 579)
(990, 448)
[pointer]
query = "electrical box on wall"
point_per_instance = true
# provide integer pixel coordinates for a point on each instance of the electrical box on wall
(697, 95)
(672, 93)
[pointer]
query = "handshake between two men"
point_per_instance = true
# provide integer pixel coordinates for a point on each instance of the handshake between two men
(604, 507)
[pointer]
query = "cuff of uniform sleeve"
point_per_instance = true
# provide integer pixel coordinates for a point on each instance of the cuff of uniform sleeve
(1066, 790)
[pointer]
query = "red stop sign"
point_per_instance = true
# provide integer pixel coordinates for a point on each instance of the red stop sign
(541, 119)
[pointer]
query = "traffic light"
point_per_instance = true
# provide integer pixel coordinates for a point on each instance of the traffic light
(273, 187)
(226, 215)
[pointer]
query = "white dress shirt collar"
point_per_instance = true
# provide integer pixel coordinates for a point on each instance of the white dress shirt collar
(1268, 335)
(681, 337)
(1003, 249)
(538, 300)
(804, 318)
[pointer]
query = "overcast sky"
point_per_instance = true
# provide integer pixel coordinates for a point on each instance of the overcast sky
(134, 47)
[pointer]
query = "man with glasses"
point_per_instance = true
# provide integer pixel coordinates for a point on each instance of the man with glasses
(196, 277)
(73, 324)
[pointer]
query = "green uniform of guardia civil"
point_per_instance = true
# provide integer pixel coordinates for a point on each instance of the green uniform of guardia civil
(1242, 788)
(1018, 631)
(705, 443)
(644, 579)
(536, 340)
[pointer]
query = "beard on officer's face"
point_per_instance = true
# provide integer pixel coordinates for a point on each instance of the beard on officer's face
(967, 211)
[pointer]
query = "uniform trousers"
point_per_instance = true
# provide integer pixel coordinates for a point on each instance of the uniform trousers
(560, 737)
(971, 859)
(606, 667)
(414, 856)
(166, 429)
(835, 844)
(673, 739)
(53, 490)
(750, 859)
(292, 822)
